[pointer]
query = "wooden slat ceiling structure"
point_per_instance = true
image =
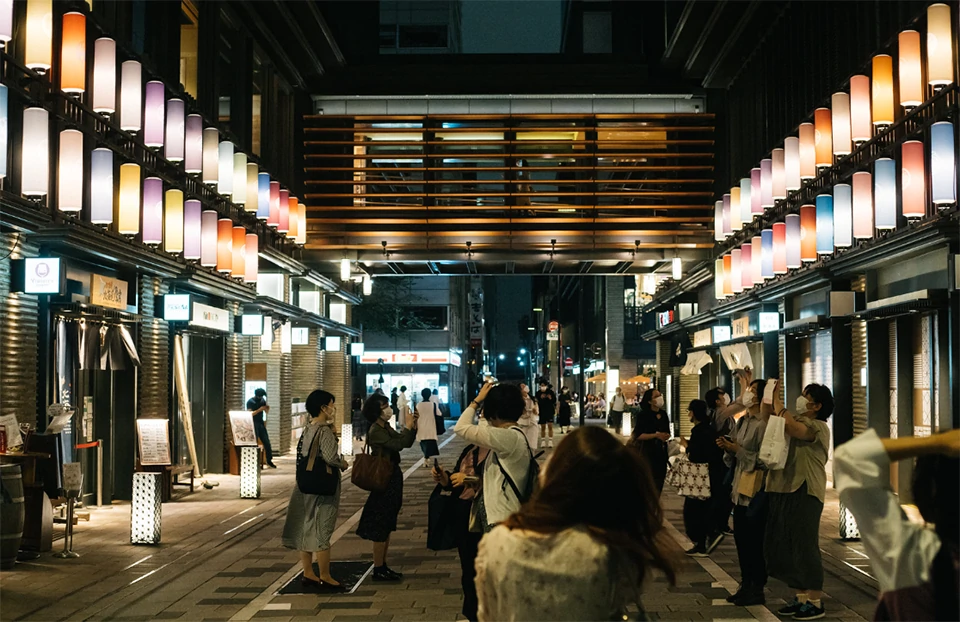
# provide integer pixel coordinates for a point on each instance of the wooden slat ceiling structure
(523, 189)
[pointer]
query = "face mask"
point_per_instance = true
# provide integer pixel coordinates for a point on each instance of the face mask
(749, 399)
(725, 399)
(802, 404)
(658, 402)
(386, 414)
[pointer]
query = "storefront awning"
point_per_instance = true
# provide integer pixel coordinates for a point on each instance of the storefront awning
(598, 378)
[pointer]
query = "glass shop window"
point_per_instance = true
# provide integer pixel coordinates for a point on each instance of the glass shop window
(189, 43)
(256, 104)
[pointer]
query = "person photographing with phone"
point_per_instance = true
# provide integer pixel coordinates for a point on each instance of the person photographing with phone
(258, 406)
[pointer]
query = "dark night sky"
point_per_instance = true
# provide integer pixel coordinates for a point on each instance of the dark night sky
(511, 26)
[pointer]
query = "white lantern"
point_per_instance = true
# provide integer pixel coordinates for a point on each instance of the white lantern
(4, 97)
(70, 172)
(101, 186)
(131, 96)
(225, 168)
(176, 130)
(153, 115)
(240, 177)
(193, 144)
(35, 166)
(344, 269)
(840, 110)
(6, 22)
(791, 162)
(105, 76)
(38, 48)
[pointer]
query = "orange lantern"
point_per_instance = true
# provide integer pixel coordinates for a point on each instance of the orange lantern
(808, 151)
(823, 136)
(882, 90)
(293, 231)
(239, 259)
(808, 232)
(73, 53)
(727, 275)
(225, 245)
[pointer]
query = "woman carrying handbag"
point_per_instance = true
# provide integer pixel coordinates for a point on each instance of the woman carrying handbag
(315, 500)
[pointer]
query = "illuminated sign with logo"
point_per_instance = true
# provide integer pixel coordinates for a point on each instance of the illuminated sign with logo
(210, 317)
(455, 359)
(371, 357)
(721, 334)
(664, 318)
(741, 328)
(702, 338)
(251, 324)
(331, 344)
(769, 321)
(108, 292)
(42, 275)
(356, 349)
(301, 335)
(176, 307)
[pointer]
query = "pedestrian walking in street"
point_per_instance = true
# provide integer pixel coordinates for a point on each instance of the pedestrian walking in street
(311, 518)
(702, 449)
(403, 403)
(358, 423)
(547, 408)
(796, 494)
(427, 428)
(564, 410)
(748, 495)
(617, 407)
(583, 545)
(651, 434)
(529, 421)
(259, 407)
(379, 517)
(916, 566)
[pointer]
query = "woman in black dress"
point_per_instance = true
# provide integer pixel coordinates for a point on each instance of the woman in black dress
(563, 417)
(651, 434)
(702, 449)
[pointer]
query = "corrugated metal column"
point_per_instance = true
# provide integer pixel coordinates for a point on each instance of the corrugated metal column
(232, 380)
(19, 321)
(154, 349)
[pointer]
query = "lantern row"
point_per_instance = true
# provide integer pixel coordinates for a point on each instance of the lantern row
(851, 120)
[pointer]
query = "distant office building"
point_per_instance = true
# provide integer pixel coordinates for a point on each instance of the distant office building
(424, 27)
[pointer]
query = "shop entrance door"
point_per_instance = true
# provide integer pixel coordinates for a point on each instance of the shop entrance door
(204, 362)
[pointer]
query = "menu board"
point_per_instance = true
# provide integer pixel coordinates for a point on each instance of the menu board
(12, 427)
(244, 434)
(154, 441)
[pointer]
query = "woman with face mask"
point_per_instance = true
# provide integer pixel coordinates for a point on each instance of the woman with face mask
(651, 434)
(796, 494)
(379, 517)
(702, 449)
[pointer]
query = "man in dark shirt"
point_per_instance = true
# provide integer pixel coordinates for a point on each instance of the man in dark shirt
(258, 406)
(547, 405)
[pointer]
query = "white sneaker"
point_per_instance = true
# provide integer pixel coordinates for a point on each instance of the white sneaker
(550, 443)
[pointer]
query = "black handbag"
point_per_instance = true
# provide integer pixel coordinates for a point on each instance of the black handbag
(442, 515)
(438, 419)
(314, 475)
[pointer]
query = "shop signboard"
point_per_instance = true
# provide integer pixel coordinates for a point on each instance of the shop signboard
(301, 335)
(154, 441)
(210, 317)
(455, 359)
(702, 338)
(407, 358)
(42, 275)
(741, 328)
(769, 321)
(721, 334)
(251, 324)
(664, 318)
(331, 344)
(356, 349)
(475, 304)
(176, 307)
(107, 291)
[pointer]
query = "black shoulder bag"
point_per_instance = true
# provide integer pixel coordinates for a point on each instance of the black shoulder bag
(314, 475)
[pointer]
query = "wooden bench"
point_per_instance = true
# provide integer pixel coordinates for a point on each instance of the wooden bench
(176, 470)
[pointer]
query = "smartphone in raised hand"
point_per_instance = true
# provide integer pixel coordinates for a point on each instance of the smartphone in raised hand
(770, 390)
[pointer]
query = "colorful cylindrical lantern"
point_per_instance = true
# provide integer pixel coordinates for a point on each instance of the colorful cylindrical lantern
(70, 172)
(193, 144)
(756, 273)
(73, 53)
(101, 186)
(940, 70)
(756, 207)
(808, 151)
(766, 253)
(823, 136)
(862, 205)
(153, 115)
(239, 177)
(779, 248)
(746, 211)
(293, 208)
(105, 75)
(211, 150)
(225, 245)
(718, 221)
(727, 227)
(4, 134)
(252, 198)
(35, 150)
(808, 232)
(175, 140)
(908, 62)
(302, 218)
(736, 215)
(225, 168)
(273, 218)
(38, 47)
(283, 223)
(368, 282)
(131, 96)
(6, 22)
(840, 123)
(128, 222)
(736, 274)
(778, 175)
(885, 193)
(173, 219)
(152, 210)
(727, 274)
(239, 260)
(860, 109)
(718, 278)
(746, 266)
(824, 224)
(943, 164)
(913, 183)
(192, 230)
(842, 216)
(251, 259)
(791, 162)
(209, 228)
(263, 196)
(793, 241)
(766, 183)
(882, 91)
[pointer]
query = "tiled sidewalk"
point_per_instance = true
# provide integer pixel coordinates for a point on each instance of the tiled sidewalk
(221, 559)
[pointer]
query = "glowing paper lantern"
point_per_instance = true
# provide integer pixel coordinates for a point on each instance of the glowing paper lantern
(283, 223)
(129, 221)
(6, 22)
(251, 260)
(273, 218)
(808, 233)
(131, 96)
(756, 271)
(778, 176)
(882, 92)
(208, 238)
(885, 193)
(105, 76)
(791, 162)
(225, 168)
(193, 145)
(756, 207)
(345, 269)
(239, 259)
(152, 210)
(793, 241)
(824, 224)
(862, 205)
(38, 48)
(943, 164)
(860, 109)
(746, 202)
(842, 216)
(766, 253)
(368, 282)
(766, 183)
(823, 137)
(175, 140)
(70, 172)
(727, 228)
(736, 223)
(736, 274)
(727, 274)
(939, 50)
(808, 151)
(153, 115)
(840, 109)
(718, 221)
(101, 186)
(4, 136)
(302, 218)
(35, 163)
(746, 266)
(211, 149)
(239, 177)
(263, 196)
(173, 222)
(676, 269)
(779, 248)
(192, 230)
(293, 208)
(913, 180)
(252, 198)
(73, 53)
(717, 278)
(911, 82)
(225, 245)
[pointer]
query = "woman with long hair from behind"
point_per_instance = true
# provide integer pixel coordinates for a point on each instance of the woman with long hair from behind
(582, 546)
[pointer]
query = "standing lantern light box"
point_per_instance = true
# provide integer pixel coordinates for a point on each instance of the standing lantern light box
(252, 198)
(225, 168)
(175, 141)
(263, 196)
(211, 145)
(882, 91)
(294, 210)
(283, 222)
(73, 53)
(101, 186)
(736, 220)
(193, 144)
(129, 212)
(208, 235)
(70, 172)
(249, 472)
(240, 177)
(840, 123)
(302, 220)
(727, 228)
(718, 221)
(908, 62)
(860, 109)
(793, 241)
(225, 245)
(346, 439)
(756, 205)
(727, 274)
(718, 278)
(778, 176)
(746, 202)
(766, 253)
(173, 221)
(736, 278)
(779, 248)
(251, 259)
(842, 216)
(808, 233)
(746, 266)
(273, 216)
(239, 260)
(823, 136)
(940, 70)
(808, 151)
(791, 162)
(756, 253)
(766, 183)
(145, 508)
(38, 45)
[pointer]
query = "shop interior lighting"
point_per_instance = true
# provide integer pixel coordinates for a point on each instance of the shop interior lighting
(175, 140)
(881, 95)
(823, 136)
(756, 206)
(252, 197)
(766, 183)
(35, 165)
(766, 253)
(129, 209)
(211, 150)
(808, 233)
(101, 186)
(263, 196)
(862, 205)
(152, 211)
(344, 269)
(225, 246)
(736, 214)
(273, 217)
(791, 162)
(283, 221)
(73, 53)
(208, 238)
(6, 22)
(70, 172)
(225, 168)
(779, 248)
(908, 62)
(756, 253)
(193, 144)
(824, 224)
(192, 230)
(153, 119)
(302, 220)
(943, 164)
(842, 216)
(38, 48)
(885, 193)
(173, 221)
(808, 151)
(746, 266)
(251, 259)
(239, 259)
(293, 210)
(912, 180)
(940, 71)
(131, 96)
(105, 76)
(793, 241)
(239, 178)
(860, 109)
(840, 122)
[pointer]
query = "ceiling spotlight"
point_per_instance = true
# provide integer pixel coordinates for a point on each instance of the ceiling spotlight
(383, 243)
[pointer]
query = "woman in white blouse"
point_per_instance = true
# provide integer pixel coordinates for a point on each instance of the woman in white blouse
(581, 548)
(427, 429)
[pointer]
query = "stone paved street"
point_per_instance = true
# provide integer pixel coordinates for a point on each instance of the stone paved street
(221, 559)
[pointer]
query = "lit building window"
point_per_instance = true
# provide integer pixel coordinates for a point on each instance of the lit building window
(188, 46)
